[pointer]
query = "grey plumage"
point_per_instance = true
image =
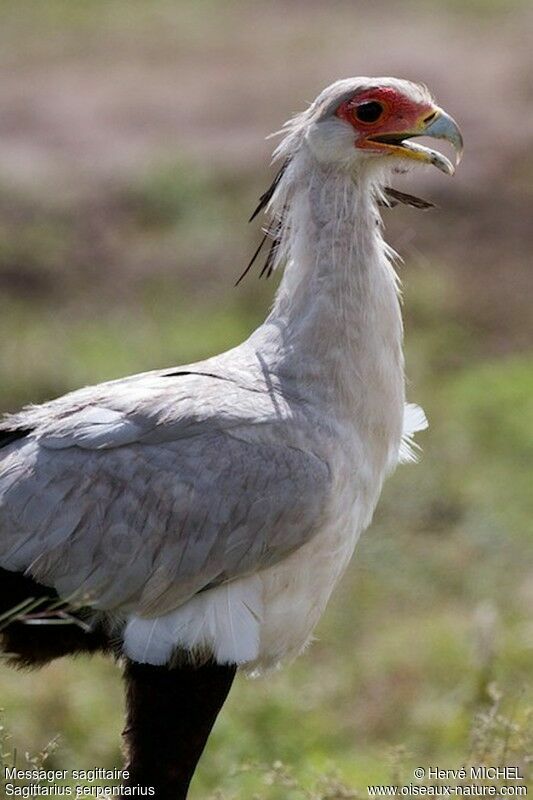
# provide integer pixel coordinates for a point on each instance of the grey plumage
(206, 513)
(142, 492)
(213, 508)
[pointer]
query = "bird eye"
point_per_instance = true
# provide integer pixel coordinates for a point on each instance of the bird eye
(369, 112)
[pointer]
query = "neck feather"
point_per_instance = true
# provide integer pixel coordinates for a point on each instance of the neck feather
(335, 330)
(338, 299)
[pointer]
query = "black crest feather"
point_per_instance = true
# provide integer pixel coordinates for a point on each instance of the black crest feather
(273, 232)
(266, 197)
(393, 197)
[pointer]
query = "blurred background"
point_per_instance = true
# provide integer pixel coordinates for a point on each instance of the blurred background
(132, 150)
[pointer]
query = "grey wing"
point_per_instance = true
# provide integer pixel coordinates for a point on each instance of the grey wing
(103, 516)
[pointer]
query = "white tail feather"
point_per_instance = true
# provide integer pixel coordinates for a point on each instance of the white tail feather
(224, 621)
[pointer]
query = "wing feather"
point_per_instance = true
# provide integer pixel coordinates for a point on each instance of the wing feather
(139, 495)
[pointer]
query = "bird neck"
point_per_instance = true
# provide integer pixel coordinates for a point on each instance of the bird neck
(336, 316)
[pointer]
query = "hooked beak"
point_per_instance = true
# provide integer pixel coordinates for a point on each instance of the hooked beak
(438, 125)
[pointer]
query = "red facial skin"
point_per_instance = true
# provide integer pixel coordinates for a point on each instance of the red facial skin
(400, 115)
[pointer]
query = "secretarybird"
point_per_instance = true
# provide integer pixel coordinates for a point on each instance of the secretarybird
(195, 520)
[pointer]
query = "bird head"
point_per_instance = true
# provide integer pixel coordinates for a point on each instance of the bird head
(357, 126)
(372, 122)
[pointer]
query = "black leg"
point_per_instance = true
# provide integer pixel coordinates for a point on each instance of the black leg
(170, 714)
